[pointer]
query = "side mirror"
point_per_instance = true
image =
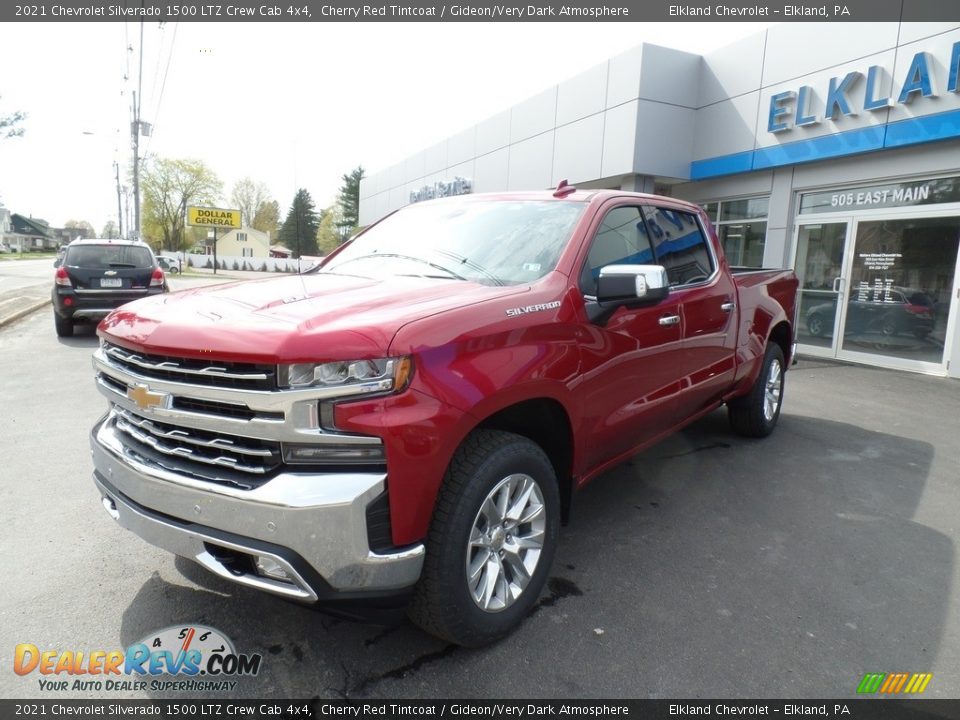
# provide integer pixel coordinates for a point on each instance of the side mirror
(58, 262)
(632, 285)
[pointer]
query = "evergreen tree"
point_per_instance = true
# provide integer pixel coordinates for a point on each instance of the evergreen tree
(299, 230)
(349, 203)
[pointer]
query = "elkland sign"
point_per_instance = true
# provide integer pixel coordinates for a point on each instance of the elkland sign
(801, 108)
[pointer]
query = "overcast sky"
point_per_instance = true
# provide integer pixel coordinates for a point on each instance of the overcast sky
(290, 105)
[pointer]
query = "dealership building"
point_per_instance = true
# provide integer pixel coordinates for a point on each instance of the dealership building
(830, 148)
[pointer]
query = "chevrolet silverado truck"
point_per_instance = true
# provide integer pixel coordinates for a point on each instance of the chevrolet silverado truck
(405, 425)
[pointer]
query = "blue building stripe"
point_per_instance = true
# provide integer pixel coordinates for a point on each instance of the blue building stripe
(914, 131)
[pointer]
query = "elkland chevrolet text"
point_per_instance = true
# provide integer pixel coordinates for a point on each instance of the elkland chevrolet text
(406, 425)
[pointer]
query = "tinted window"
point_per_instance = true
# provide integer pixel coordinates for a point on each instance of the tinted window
(679, 245)
(621, 240)
(105, 256)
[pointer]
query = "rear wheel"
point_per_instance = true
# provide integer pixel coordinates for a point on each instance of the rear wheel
(756, 413)
(64, 326)
(815, 325)
(492, 540)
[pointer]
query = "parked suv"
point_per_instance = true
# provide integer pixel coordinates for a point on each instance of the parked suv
(96, 276)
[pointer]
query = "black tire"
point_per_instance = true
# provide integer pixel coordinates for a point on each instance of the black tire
(64, 326)
(920, 334)
(443, 602)
(751, 415)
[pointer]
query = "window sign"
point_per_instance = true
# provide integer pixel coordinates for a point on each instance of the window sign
(891, 195)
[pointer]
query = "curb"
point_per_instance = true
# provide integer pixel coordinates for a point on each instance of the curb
(23, 312)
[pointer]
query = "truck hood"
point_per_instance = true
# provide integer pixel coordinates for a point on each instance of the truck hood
(301, 318)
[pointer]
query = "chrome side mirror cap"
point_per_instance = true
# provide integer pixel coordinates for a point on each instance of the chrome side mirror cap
(632, 284)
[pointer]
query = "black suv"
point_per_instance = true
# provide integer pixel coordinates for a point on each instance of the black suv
(96, 276)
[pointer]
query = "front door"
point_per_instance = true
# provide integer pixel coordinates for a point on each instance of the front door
(900, 295)
(821, 250)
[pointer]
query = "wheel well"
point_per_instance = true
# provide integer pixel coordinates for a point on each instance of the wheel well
(545, 422)
(781, 336)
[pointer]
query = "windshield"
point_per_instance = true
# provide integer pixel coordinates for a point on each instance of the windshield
(494, 242)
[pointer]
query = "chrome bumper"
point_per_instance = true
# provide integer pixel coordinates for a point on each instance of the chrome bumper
(321, 518)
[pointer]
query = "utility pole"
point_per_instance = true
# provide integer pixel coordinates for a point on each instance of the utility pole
(135, 130)
(116, 168)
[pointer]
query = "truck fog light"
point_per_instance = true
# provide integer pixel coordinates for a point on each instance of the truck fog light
(293, 453)
(268, 567)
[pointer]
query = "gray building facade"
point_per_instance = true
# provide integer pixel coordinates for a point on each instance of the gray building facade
(830, 148)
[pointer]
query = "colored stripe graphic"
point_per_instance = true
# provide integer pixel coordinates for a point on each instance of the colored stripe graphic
(894, 683)
(871, 682)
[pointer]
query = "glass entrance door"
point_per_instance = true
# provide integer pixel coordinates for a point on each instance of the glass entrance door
(900, 291)
(820, 259)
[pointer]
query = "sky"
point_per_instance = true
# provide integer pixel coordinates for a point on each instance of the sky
(290, 105)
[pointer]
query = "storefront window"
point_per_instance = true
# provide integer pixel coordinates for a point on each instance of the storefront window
(742, 228)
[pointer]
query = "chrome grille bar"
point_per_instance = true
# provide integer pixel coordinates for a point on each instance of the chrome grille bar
(184, 436)
(170, 366)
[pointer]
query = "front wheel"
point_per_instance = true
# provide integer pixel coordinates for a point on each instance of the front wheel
(756, 413)
(492, 540)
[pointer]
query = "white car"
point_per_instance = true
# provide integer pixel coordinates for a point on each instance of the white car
(169, 264)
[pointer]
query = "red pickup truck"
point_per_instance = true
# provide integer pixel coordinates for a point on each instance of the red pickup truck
(405, 425)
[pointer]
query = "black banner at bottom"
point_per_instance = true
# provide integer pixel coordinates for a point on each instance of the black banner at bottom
(850, 709)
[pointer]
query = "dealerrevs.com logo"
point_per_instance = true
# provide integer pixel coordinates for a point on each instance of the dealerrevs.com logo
(201, 658)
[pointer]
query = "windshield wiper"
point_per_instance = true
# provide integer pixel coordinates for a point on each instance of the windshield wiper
(470, 264)
(448, 271)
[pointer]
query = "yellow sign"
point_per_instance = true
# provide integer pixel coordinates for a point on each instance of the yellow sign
(213, 217)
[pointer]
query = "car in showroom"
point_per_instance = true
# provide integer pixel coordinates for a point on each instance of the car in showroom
(891, 311)
(97, 276)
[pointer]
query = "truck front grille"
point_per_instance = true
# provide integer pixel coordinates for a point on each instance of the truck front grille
(203, 454)
(247, 376)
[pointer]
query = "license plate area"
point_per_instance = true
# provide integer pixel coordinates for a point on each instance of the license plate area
(111, 282)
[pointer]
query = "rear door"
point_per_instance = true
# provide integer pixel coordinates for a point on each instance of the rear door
(109, 267)
(703, 288)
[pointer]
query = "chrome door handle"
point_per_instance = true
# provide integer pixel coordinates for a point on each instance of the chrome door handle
(728, 306)
(838, 284)
(667, 320)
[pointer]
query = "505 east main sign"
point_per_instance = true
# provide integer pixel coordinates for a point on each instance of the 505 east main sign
(800, 108)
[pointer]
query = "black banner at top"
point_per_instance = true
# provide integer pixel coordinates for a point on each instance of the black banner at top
(480, 11)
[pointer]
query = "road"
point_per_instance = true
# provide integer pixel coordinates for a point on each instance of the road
(708, 566)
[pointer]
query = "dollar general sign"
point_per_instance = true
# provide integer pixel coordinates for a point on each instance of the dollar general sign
(213, 217)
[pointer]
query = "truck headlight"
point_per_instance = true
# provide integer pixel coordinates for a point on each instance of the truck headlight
(366, 376)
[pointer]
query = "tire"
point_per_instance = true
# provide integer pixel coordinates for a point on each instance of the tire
(756, 413)
(64, 326)
(888, 327)
(815, 325)
(920, 334)
(478, 583)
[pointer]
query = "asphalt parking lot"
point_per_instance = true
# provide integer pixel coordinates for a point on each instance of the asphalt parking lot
(707, 566)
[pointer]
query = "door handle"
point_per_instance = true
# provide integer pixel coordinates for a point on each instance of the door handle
(837, 284)
(668, 320)
(728, 306)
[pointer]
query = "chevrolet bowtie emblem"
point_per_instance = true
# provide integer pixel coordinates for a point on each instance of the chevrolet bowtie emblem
(146, 398)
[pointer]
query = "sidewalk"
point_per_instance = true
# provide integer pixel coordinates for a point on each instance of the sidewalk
(17, 303)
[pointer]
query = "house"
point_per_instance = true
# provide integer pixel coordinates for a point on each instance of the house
(245, 242)
(26, 234)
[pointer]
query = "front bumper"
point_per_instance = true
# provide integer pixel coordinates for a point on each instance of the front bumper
(311, 526)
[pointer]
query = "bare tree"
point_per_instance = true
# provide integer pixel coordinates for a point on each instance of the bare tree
(247, 197)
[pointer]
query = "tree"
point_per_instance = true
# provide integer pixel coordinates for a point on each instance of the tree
(8, 125)
(247, 197)
(299, 230)
(82, 227)
(110, 230)
(267, 219)
(349, 203)
(328, 236)
(168, 187)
